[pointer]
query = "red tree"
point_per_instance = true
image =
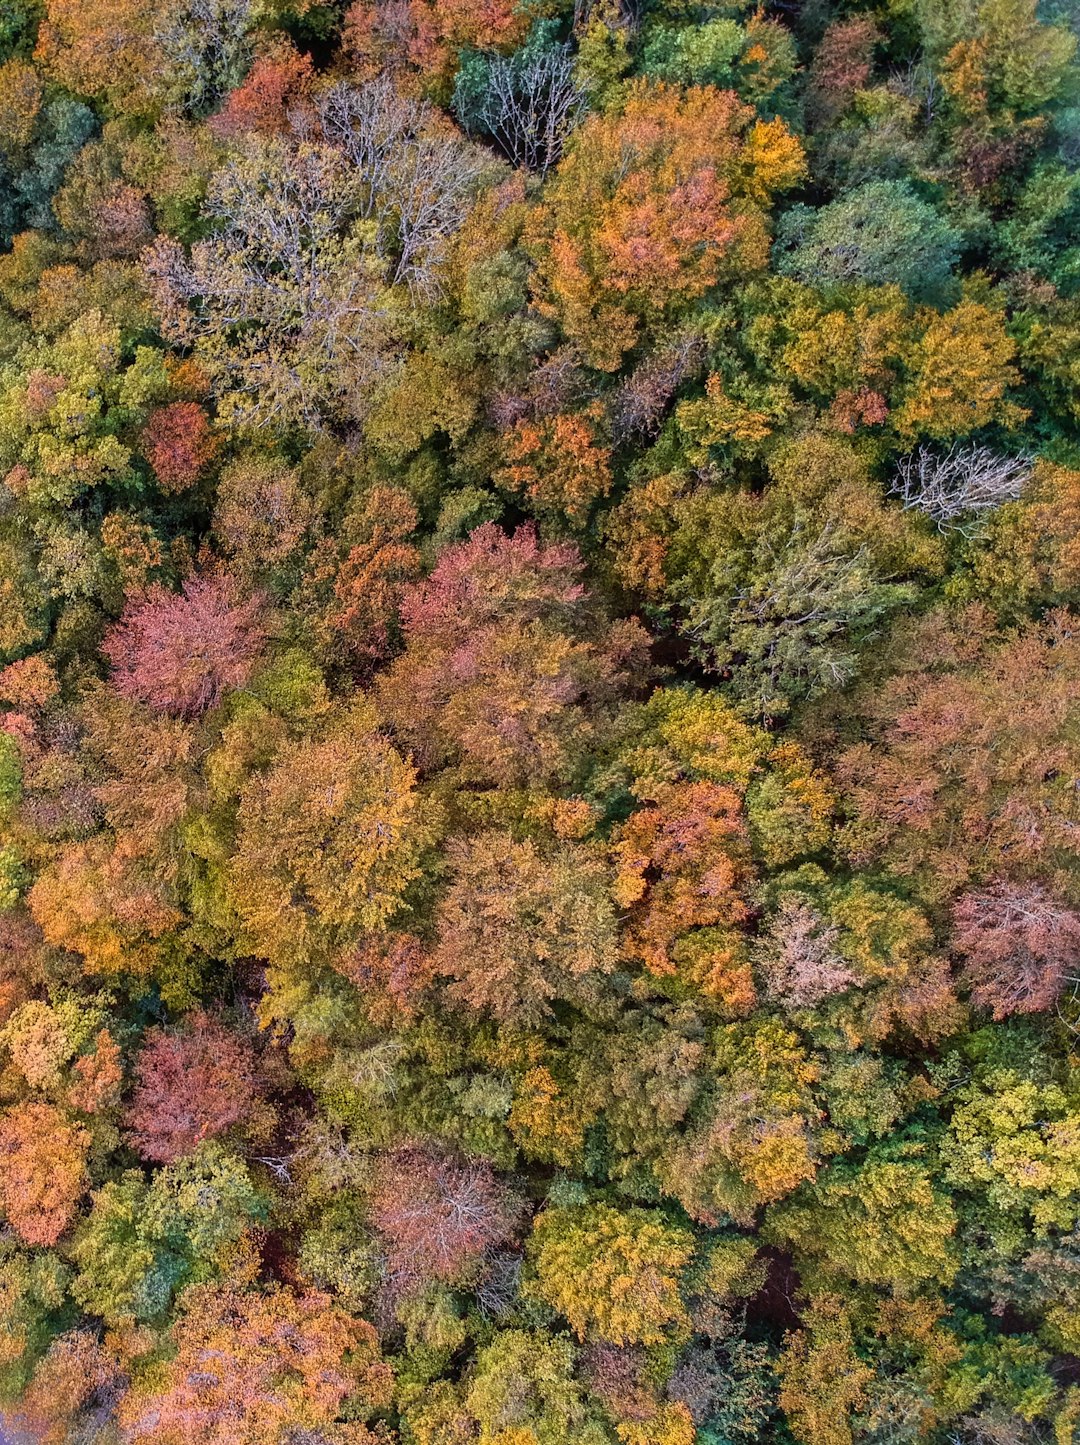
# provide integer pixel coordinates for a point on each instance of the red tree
(438, 1217)
(179, 653)
(189, 1086)
(178, 444)
(1019, 946)
(506, 659)
(275, 82)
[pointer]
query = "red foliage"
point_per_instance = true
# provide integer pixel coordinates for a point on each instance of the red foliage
(179, 444)
(372, 579)
(842, 65)
(1019, 946)
(21, 947)
(438, 1217)
(683, 863)
(42, 1171)
(180, 653)
(189, 1086)
(969, 751)
(393, 974)
(428, 35)
(504, 655)
(275, 83)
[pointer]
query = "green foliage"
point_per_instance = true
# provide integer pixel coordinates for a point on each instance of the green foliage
(882, 234)
(144, 1242)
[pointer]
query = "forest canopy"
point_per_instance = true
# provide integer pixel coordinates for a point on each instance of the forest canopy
(540, 722)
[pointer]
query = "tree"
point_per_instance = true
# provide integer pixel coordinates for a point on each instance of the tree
(750, 1136)
(178, 444)
(519, 929)
(191, 1085)
(613, 1273)
(682, 864)
(261, 514)
(427, 38)
(878, 1222)
(843, 63)
(960, 373)
(782, 591)
(1019, 945)
(879, 234)
(507, 660)
(1015, 1144)
(103, 50)
(256, 1367)
(896, 980)
(44, 1170)
(329, 839)
(800, 957)
(524, 1386)
(438, 1218)
(559, 463)
(822, 1379)
(358, 621)
(180, 653)
(278, 82)
(207, 46)
(76, 1385)
(33, 1295)
(142, 1243)
(286, 302)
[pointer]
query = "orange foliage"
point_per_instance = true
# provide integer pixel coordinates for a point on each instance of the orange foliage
(259, 1368)
(42, 1170)
(682, 863)
(101, 49)
(559, 463)
(98, 1077)
(651, 207)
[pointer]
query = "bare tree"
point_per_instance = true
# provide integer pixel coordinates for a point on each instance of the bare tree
(956, 489)
(207, 48)
(641, 402)
(286, 301)
(417, 176)
(529, 103)
(282, 302)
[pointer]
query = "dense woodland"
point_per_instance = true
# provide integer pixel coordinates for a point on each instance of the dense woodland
(540, 722)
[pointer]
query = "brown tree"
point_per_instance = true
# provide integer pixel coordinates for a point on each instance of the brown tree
(1019, 944)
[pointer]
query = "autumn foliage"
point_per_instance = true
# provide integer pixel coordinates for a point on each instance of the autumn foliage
(180, 652)
(189, 1086)
(539, 722)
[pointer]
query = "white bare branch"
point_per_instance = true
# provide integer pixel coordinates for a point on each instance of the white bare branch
(958, 488)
